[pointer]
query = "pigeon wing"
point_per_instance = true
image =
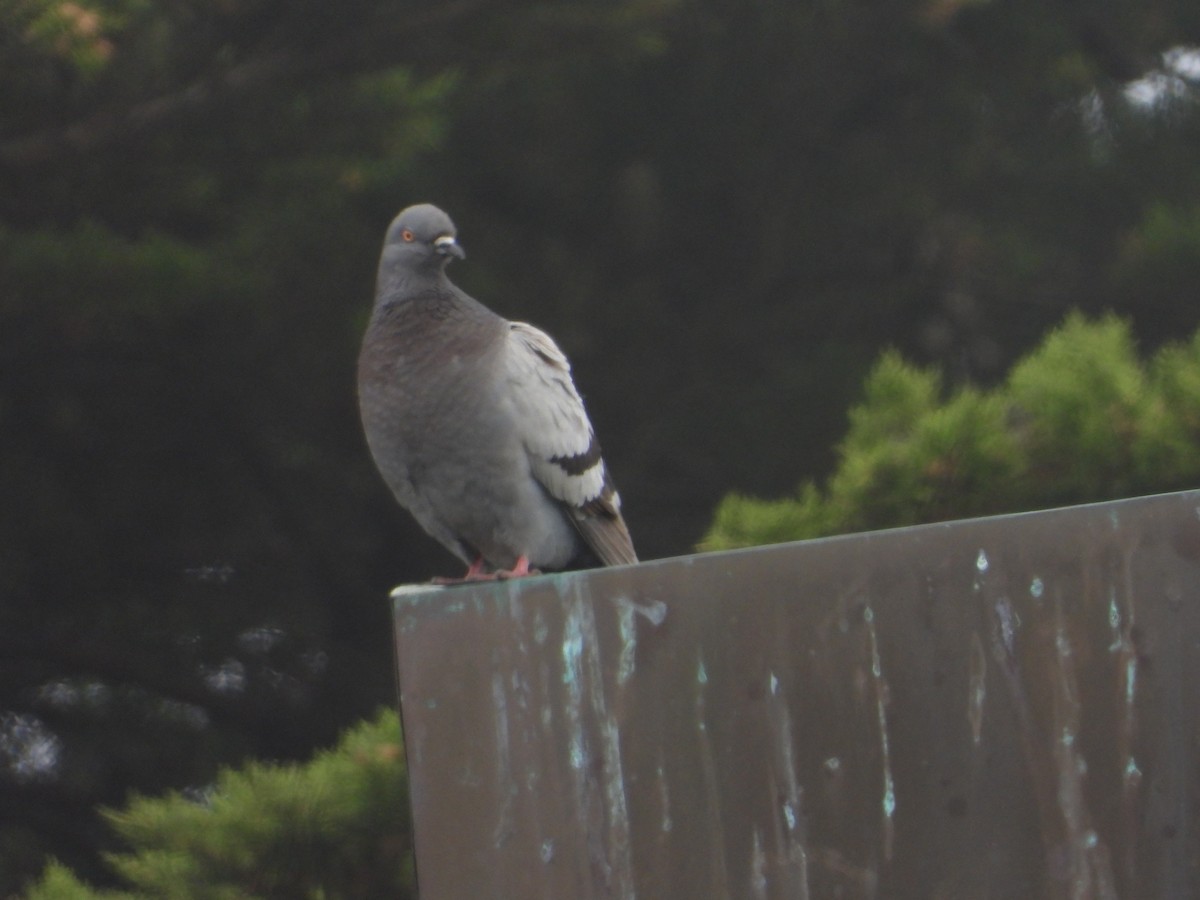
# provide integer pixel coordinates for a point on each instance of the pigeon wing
(563, 453)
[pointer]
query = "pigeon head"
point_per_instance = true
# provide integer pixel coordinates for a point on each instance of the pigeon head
(421, 238)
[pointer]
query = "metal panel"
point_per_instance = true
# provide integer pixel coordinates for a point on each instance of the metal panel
(999, 708)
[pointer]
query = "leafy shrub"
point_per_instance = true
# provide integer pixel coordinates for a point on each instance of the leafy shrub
(334, 827)
(1079, 419)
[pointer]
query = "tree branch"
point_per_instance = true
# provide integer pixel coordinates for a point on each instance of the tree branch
(359, 50)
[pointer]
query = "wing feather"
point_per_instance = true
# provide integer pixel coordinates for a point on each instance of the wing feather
(563, 452)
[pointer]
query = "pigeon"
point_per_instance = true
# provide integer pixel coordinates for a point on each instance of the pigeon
(474, 422)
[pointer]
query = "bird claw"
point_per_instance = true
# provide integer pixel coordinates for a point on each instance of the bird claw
(475, 573)
(519, 570)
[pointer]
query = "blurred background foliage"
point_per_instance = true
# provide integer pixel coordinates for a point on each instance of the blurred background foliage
(1079, 419)
(333, 827)
(723, 212)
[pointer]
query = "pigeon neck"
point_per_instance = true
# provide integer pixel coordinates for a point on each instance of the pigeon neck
(394, 282)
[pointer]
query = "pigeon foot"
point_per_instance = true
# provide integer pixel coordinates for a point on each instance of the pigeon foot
(475, 572)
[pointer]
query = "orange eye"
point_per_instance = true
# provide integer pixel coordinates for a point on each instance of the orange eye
(407, 235)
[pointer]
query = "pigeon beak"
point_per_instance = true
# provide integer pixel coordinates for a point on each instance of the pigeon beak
(446, 245)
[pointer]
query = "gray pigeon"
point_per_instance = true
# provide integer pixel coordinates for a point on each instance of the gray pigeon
(474, 421)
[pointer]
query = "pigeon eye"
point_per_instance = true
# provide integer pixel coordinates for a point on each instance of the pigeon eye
(407, 235)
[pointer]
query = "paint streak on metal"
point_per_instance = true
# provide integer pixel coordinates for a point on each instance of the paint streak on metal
(664, 797)
(1123, 621)
(718, 876)
(758, 865)
(504, 815)
(793, 872)
(880, 696)
(1084, 854)
(787, 723)
(599, 784)
(976, 689)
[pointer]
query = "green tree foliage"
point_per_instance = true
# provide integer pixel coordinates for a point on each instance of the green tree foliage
(194, 549)
(1081, 418)
(177, 409)
(335, 827)
(722, 211)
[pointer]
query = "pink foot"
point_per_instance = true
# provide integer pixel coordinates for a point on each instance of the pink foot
(519, 570)
(475, 572)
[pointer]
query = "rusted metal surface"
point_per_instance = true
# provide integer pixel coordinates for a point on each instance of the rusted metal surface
(998, 708)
